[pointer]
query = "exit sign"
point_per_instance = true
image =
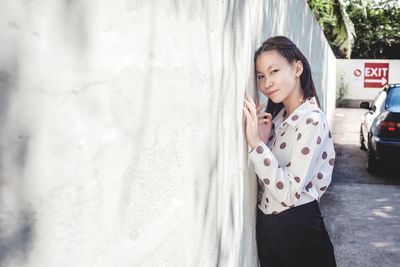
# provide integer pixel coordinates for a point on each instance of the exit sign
(376, 75)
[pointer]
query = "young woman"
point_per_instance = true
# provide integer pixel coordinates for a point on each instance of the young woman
(293, 156)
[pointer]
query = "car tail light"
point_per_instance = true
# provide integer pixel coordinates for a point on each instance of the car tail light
(389, 126)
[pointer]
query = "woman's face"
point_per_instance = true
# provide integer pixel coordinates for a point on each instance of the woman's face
(277, 78)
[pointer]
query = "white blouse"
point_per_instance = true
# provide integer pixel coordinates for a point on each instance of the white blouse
(295, 166)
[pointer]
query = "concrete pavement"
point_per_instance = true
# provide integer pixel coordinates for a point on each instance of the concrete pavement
(361, 211)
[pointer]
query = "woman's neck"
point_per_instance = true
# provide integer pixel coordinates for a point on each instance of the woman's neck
(292, 101)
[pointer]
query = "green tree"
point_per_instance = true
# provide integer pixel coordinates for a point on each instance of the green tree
(379, 33)
(336, 24)
(360, 28)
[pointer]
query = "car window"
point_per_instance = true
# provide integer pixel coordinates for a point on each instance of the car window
(379, 101)
(376, 98)
(373, 105)
(393, 100)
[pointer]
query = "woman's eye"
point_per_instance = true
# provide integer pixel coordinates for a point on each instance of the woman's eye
(274, 71)
(260, 77)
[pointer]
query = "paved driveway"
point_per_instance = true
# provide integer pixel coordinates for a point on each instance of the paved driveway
(362, 211)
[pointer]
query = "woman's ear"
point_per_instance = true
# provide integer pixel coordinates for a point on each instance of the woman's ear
(299, 68)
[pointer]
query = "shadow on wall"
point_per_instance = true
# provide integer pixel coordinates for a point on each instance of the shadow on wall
(74, 20)
(16, 222)
(16, 243)
(211, 211)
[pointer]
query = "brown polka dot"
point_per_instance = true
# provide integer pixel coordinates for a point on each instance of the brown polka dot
(315, 123)
(283, 204)
(331, 162)
(266, 181)
(318, 140)
(323, 188)
(266, 199)
(274, 212)
(320, 175)
(305, 151)
(329, 134)
(279, 185)
(297, 195)
(324, 155)
(288, 165)
(265, 206)
(295, 117)
(298, 136)
(284, 124)
(297, 179)
(283, 133)
(267, 162)
(271, 137)
(274, 142)
(296, 129)
(308, 186)
(309, 120)
(260, 149)
(283, 145)
(316, 111)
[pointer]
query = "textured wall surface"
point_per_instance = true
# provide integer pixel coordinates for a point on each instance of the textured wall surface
(121, 128)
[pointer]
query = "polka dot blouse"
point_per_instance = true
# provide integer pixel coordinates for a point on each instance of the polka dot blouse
(295, 166)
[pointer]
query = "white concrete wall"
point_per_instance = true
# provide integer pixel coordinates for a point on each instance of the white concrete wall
(121, 128)
(348, 76)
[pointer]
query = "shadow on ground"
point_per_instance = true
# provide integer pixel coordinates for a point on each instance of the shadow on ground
(351, 167)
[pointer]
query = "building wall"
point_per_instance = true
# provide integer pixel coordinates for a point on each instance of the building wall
(364, 78)
(122, 132)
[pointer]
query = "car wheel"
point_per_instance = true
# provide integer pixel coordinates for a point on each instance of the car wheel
(372, 163)
(362, 145)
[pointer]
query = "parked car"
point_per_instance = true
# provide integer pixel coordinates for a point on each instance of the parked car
(380, 128)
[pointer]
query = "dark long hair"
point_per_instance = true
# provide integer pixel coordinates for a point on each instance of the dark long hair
(286, 48)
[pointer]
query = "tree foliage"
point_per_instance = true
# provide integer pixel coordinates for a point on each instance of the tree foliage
(376, 26)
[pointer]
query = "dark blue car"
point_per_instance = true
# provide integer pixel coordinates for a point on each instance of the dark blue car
(380, 128)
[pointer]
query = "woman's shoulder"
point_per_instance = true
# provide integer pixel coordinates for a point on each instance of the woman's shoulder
(314, 120)
(314, 116)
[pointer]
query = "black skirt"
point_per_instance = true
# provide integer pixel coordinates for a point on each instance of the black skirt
(294, 237)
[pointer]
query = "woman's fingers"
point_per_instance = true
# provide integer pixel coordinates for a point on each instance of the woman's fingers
(264, 121)
(251, 109)
(263, 105)
(254, 111)
(264, 115)
(251, 100)
(246, 113)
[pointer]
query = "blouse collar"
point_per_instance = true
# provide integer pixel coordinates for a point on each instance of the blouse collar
(309, 105)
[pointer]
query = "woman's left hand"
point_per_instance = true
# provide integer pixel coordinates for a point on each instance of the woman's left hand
(252, 121)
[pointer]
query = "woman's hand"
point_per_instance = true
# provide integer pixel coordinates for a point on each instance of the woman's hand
(264, 123)
(258, 125)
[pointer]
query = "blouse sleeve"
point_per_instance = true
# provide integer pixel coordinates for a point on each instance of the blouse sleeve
(309, 156)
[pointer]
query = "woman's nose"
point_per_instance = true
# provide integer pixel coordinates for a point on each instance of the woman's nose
(268, 83)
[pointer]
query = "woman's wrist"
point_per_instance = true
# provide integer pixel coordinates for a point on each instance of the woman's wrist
(254, 144)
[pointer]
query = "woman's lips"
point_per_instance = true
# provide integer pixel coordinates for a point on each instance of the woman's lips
(273, 92)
